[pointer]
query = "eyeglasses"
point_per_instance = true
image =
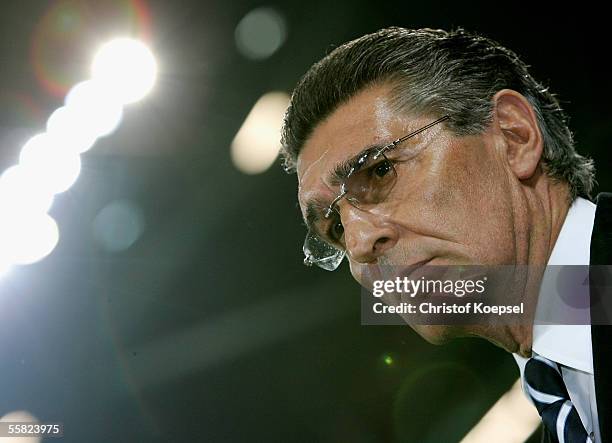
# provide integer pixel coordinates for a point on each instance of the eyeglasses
(369, 181)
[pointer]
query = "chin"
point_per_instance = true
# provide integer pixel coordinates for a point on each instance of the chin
(437, 334)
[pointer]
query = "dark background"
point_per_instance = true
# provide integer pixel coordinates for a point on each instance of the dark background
(209, 328)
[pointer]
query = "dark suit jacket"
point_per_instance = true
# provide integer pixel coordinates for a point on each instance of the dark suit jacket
(600, 282)
(601, 312)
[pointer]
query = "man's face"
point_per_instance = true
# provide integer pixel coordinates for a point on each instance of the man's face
(451, 203)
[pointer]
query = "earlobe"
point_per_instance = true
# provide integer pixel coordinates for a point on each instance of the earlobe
(517, 123)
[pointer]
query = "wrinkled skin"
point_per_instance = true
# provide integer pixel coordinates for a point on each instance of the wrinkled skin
(481, 200)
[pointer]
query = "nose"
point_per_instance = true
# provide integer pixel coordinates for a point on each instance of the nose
(367, 236)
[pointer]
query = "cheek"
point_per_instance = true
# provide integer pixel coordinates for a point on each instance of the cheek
(460, 194)
(458, 175)
(440, 188)
(475, 197)
(436, 334)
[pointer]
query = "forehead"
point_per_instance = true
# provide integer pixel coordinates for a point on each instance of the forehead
(365, 119)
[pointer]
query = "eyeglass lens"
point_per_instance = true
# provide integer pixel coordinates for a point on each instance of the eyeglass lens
(369, 182)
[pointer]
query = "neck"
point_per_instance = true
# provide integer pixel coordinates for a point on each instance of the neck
(539, 213)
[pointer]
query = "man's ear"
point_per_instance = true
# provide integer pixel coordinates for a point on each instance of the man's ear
(515, 119)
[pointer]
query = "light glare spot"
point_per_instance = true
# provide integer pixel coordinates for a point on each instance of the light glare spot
(24, 417)
(127, 67)
(256, 145)
(260, 33)
(20, 194)
(95, 111)
(118, 226)
(51, 168)
(511, 419)
(4, 268)
(26, 240)
(63, 125)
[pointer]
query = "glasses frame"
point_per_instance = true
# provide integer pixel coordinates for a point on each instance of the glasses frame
(333, 261)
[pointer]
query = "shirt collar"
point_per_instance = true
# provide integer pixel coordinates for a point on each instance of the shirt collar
(569, 345)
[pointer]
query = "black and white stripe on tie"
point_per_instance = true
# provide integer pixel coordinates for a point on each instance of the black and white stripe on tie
(547, 390)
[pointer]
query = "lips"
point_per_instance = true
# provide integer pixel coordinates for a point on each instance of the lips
(412, 270)
(371, 273)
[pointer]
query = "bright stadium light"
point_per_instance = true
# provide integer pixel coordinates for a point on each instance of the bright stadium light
(95, 108)
(124, 71)
(26, 240)
(5, 267)
(127, 67)
(52, 169)
(61, 124)
(19, 194)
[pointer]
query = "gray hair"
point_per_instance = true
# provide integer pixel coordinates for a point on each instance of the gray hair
(435, 72)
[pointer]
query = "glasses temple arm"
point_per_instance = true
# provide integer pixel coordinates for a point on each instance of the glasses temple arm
(418, 131)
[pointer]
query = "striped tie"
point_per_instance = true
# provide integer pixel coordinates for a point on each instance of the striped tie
(546, 388)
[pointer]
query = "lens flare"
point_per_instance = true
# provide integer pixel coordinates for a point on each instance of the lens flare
(62, 36)
(18, 195)
(51, 168)
(26, 240)
(62, 125)
(124, 71)
(127, 67)
(256, 145)
(93, 110)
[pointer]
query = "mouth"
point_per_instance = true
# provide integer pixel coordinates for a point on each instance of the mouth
(414, 271)
(389, 272)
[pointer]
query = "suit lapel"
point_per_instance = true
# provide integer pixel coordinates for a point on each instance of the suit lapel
(601, 296)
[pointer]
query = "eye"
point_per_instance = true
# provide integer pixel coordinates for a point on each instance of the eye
(336, 231)
(382, 168)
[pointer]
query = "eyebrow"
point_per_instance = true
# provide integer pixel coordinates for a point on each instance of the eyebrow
(338, 174)
(342, 169)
